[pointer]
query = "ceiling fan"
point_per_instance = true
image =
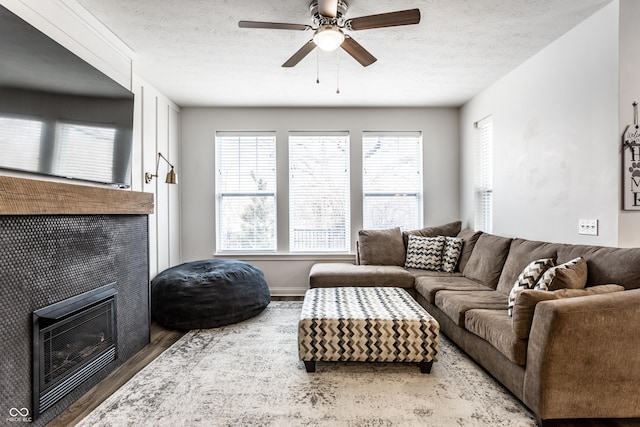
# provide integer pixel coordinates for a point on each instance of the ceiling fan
(329, 25)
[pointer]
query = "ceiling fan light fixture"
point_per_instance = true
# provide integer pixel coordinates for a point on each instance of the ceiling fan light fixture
(328, 38)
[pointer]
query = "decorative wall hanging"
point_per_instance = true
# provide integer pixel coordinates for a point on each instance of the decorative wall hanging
(631, 163)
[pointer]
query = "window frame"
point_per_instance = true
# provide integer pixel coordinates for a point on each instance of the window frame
(418, 191)
(483, 195)
(220, 195)
(341, 137)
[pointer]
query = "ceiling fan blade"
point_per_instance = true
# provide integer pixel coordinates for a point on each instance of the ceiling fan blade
(328, 8)
(273, 25)
(300, 54)
(356, 50)
(391, 19)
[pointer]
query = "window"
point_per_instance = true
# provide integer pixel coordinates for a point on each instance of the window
(484, 176)
(319, 192)
(75, 143)
(246, 191)
(392, 180)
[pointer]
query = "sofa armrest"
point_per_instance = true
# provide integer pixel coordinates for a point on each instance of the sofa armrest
(583, 357)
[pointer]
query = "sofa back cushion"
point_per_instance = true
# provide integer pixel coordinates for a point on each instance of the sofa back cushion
(451, 229)
(521, 253)
(381, 247)
(487, 259)
(605, 264)
(469, 239)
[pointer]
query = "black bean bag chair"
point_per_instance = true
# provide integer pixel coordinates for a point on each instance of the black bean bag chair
(207, 294)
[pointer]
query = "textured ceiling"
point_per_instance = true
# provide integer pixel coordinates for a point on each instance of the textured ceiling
(194, 52)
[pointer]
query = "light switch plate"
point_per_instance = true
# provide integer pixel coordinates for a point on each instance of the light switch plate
(588, 226)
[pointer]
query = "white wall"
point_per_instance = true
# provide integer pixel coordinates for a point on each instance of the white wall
(156, 118)
(628, 221)
(286, 273)
(556, 140)
(156, 129)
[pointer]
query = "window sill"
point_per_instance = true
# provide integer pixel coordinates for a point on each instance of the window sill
(288, 256)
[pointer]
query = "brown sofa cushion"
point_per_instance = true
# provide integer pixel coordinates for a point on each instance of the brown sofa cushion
(428, 286)
(487, 260)
(495, 327)
(569, 275)
(451, 229)
(469, 239)
(328, 275)
(521, 253)
(456, 303)
(381, 247)
(526, 303)
(605, 264)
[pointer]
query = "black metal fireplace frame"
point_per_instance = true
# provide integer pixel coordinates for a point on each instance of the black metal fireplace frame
(44, 399)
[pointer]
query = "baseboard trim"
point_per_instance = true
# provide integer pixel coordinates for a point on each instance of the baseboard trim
(288, 291)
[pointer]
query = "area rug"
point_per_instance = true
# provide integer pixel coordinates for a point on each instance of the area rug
(248, 374)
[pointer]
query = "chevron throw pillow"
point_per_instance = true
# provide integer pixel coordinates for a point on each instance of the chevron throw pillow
(425, 252)
(528, 279)
(572, 274)
(452, 251)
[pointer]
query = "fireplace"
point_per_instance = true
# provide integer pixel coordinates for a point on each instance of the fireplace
(60, 241)
(72, 340)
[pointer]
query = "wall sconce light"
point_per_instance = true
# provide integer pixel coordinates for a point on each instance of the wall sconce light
(172, 177)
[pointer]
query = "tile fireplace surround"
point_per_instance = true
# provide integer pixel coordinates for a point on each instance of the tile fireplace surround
(57, 241)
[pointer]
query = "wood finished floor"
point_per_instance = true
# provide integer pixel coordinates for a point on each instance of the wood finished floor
(162, 338)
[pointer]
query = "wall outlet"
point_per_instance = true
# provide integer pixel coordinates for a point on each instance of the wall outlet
(588, 226)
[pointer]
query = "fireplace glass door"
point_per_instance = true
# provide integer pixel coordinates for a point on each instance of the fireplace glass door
(72, 341)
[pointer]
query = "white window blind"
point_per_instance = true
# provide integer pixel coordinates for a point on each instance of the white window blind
(392, 180)
(484, 176)
(76, 143)
(26, 154)
(246, 191)
(319, 192)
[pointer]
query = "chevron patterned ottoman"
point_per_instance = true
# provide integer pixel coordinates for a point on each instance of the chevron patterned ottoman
(367, 324)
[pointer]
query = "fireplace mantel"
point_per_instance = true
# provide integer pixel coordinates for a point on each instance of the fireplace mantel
(20, 196)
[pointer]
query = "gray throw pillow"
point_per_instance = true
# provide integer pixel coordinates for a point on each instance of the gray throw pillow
(381, 247)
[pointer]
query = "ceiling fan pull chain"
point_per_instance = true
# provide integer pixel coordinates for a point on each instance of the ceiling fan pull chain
(337, 72)
(317, 66)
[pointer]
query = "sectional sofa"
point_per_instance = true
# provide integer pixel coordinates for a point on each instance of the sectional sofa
(568, 350)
